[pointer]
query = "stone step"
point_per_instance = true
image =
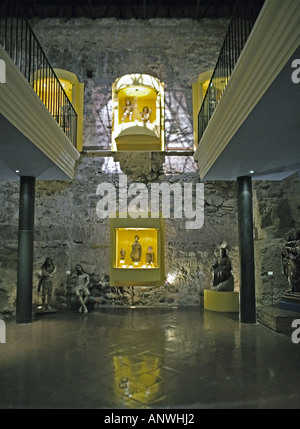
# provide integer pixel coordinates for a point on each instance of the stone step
(277, 319)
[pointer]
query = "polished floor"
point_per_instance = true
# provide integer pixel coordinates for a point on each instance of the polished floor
(147, 358)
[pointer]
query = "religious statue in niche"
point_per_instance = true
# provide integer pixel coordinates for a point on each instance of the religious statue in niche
(45, 285)
(136, 250)
(223, 280)
(290, 259)
(128, 110)
(150, 256)
(145, 114)
(122, 254)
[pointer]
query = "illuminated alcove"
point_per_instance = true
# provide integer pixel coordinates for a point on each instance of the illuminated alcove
(52, 95)
(199, 91)
(137, 252)
(138, 113)
(205, 83)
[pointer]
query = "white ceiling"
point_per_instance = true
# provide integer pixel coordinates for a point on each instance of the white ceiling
(19, 153)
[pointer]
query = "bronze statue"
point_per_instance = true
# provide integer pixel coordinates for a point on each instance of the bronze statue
(81, 288)
(136, 251)
(45, 284)
(290, 258)
(222, 277)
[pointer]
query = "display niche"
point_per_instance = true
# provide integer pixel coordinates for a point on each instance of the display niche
(137, 256)
(138, 113)
(51, 94)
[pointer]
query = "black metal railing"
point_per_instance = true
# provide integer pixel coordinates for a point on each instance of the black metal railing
(23, 47)
(242, 21)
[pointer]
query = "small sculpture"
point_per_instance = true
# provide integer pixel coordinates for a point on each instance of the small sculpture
(122, 254)
(128, 110)
(45, 284)
(145, 114)
(149, 256)
(136, 251)
(81, 288)
(223, 280)
(290, 258)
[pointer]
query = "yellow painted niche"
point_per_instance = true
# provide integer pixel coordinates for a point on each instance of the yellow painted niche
(205, 82)
(138, 113)
(148, 268)
(199, 90)
(75, 92)
(48, 90)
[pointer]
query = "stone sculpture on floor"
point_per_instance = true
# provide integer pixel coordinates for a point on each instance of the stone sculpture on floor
(223, 280)
(82, 288)
(45, 285)
(78, 284)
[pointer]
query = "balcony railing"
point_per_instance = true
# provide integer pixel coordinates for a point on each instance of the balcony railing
(23, 47)
(242, 21)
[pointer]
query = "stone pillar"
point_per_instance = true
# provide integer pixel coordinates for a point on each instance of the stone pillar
(246, 250)
(25, 250)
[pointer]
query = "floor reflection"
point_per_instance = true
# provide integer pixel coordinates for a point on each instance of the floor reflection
(147, 358)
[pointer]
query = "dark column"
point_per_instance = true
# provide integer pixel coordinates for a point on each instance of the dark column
(246, 250)
(25, 250)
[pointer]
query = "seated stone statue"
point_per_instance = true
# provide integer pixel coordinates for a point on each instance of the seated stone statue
(290, 258)
(78, 284)
(223, 280)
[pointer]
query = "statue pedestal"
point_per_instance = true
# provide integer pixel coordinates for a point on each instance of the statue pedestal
(227, 302)
(276, 319)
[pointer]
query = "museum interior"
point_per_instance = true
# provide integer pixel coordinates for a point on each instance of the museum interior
(149, 204)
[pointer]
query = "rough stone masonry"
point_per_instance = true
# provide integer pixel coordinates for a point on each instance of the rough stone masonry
(67, 227)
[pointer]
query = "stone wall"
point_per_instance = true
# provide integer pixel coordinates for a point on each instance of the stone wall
(99, 51)
(276, 212)
(67, 227)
